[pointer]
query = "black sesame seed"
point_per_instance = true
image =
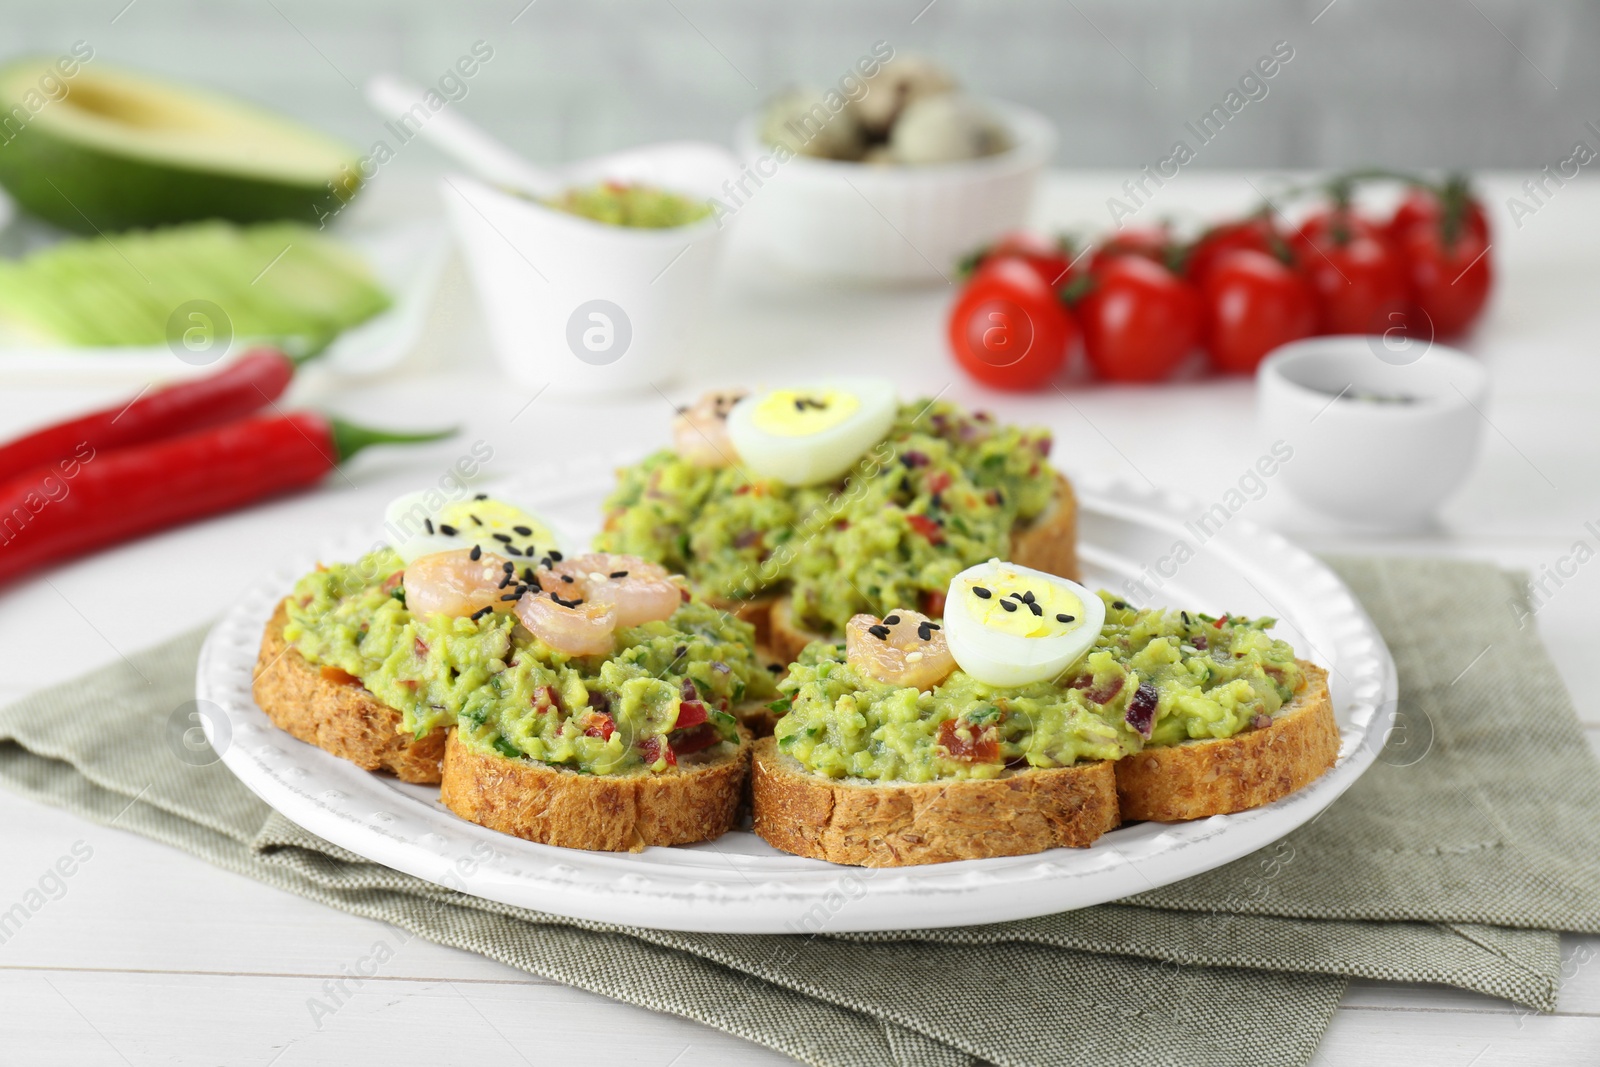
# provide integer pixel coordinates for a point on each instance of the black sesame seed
(522, 590)
(1036, 609)
(523, 530)
(1008, 605)
(1066, 618)
(566, 578)
(931, 625)
(892, 620)
(427, 524)
(505, 581)
(480, 613)
(508, 567)
(504, 539)
(527, 575)
(481, 496)
(981, 592)
(1185, 615)
(555, 555)
(774, 668)
(512, 596)
(513, 550)
(924, 633)
(475, 520)
(1028, 597)
(880, 631)
(546, 563)
(619, 574)
(447, 530)
(476, 553)
(1119, 605)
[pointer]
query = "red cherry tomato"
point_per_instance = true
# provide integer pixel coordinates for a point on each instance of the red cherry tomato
(1139, 320)
(1008, 328)
(1449, 283)
(1256, 233)
(1151, 242)
(1253, 304)
(1421, 205)
(1050, 259)
(1358, 277)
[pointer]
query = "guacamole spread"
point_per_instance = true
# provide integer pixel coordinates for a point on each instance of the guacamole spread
(942, 492)
(667, 688)
(639, 206)
(1154, 677)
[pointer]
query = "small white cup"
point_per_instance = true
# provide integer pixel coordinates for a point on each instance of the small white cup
(583, 306)
(1381, 435)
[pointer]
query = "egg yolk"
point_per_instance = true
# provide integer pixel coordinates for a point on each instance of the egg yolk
(797, 413)
(479, 520)
(1022, 606)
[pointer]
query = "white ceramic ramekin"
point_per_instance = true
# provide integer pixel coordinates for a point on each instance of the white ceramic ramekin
(1378, 442)
(884, 223)
(583, 306)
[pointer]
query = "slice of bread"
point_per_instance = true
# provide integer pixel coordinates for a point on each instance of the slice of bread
(330, 709)
(694, 801)
(1215, 776)
(895, 824)
(1049, 543)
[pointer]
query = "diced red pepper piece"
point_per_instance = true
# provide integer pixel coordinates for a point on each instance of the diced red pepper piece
(927, 528)
(701, 737)
(421, 649)
(655, 748)
(393, 581)
(939, 482)
(933, 603)
(598, 724)
(690, 713)
(973, 744)
(545, 698)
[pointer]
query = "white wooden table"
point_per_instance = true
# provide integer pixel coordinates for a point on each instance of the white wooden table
(153, 956)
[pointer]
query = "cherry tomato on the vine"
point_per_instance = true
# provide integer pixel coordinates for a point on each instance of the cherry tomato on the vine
(1421, 205)
(1256, 233)
(1151, 242)
(1008, 328)
(1139, 320)
(1449, 282)
(1358, 276)
(1050, 259)
(1253, 303)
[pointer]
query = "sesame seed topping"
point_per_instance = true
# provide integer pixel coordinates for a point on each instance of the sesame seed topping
(924, 632)
(475, 520)
(775, 668)
(913, 657)
(880, 631)
(480, 613)
(505, 581)
(509, 567)
(1028, 596)
(596, 576)
(555, 555)
(566, 578)
(447, 530)
(1119, 605)
(476, 553)
(1036, 609)
(981, 593)
(503, 538)
(892, 620)
(1009, 605)
(512, 596)
(481, 496)
(527, 575)
(513, 550)
(523, 530)
(619, 574)
(1066, 618)
(427, 524)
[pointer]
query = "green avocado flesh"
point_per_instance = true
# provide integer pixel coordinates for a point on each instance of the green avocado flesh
(1185, 676)
(509, 693)
(638, 206)
(941, 493)
(282, 282)
(110, 150)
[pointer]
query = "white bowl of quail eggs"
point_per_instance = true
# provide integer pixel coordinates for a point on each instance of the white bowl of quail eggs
(892, 174)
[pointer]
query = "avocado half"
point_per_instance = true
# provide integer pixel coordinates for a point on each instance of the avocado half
(114, 150)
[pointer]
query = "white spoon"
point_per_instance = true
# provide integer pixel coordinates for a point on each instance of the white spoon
(470, 145)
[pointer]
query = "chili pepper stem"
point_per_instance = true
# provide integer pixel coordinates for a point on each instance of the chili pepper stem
(348, 438)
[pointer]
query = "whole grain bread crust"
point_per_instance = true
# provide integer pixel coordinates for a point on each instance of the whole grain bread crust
(337, 714)
(1215, 776)
(1049, 543)
(694, 801)
(871, 824)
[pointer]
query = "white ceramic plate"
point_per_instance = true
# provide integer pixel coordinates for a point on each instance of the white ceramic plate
(739, 883)
(405, 257)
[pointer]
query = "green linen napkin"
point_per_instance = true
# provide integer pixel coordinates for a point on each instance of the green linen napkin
(1453, 860)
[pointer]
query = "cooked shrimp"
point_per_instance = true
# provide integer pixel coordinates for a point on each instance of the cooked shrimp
(904, 648)
(453, 583)
(700, 431)
(637, 590)
(574, 626)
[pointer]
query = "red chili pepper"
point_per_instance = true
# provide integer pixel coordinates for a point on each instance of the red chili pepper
(254, 379)
(57, 512)
(690, 713)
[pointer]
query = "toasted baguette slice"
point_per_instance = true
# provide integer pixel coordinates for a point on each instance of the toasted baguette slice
(1049, 543)
(874, 824)
(694, 801)
(1215, 776)
(337, 714)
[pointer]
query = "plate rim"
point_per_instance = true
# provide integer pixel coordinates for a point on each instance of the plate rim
(684, 888)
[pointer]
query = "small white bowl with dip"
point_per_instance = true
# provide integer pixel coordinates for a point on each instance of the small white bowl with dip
(1381, 435)
(586, 306)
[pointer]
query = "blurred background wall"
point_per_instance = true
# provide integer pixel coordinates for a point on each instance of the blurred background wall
(1482, 83)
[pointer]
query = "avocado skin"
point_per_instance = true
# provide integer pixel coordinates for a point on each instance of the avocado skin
(87, 189)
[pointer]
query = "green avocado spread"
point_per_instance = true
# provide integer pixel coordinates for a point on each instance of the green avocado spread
(508, 692)
(942, 492)
(638, 206)
(1154, 677)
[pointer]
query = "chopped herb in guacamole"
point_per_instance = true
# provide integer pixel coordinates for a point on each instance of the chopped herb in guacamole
(1153, 677)
(942, 492)
(668, 687)
(639, 206)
